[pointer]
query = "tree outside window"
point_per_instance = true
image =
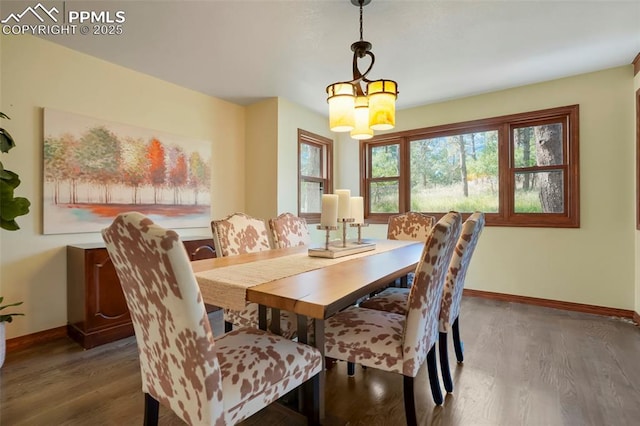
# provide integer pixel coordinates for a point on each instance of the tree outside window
(521, 170)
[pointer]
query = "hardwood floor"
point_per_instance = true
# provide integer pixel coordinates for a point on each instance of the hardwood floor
(524, 365)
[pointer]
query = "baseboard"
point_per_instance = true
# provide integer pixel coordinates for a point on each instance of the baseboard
(556, 304)
(29, 340)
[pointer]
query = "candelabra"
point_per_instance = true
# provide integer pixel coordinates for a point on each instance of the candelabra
(359, 226)
(327, 230)
(344, 222)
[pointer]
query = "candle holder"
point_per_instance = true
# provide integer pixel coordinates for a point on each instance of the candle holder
(344, 222)
(327, 229)
(359, 226)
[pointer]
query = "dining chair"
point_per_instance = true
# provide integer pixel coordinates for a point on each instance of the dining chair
(240, 233)
(395, 299)
(400, 343)
(289, 230)
(204, 381)
(410, 226)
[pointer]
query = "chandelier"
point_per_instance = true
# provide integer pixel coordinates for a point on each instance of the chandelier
(352, 109)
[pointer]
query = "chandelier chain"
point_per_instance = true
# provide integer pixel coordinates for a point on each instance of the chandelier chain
(360, 20)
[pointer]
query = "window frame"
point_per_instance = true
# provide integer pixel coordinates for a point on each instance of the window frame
(326, 168)
(504, 125)
(638, 156)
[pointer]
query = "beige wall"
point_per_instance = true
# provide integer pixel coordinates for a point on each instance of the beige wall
(593, 264)
(261, 172)
(292, 117)
(36, 74)
(272, 154)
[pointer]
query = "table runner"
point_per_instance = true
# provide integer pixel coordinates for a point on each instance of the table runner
(228, 285)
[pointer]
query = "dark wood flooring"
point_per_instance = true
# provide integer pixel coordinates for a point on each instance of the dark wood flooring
(524, 365)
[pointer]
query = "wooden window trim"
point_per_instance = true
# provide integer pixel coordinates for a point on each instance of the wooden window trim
(326, 145)
(638, 156)
(505, 216)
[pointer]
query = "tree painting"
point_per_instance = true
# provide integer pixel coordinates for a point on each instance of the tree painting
(94, 170)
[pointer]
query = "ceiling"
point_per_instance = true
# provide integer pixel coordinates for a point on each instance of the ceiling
(244, 51)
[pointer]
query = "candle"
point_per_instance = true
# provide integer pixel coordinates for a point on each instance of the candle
(344, 203)
(329, 212)
(357, 209)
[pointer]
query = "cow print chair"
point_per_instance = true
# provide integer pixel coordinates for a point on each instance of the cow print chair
(400, 343)
(204, 381)
(395, 299)
(238, 234)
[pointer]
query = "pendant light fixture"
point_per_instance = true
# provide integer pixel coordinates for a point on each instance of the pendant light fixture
(352, 109)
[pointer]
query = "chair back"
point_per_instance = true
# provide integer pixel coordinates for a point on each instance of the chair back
(239, 234)
(454, 282)
(411, 226)
(289, 230)
(425, 295)
(175, 344)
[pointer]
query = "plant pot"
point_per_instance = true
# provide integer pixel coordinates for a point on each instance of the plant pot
(3, 344)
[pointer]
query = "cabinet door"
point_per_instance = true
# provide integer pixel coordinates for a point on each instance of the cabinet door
(106, 303)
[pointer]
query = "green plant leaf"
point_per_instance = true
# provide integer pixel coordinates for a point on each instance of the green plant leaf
(9, 177)
(10, 206)
(9, 225)
(6, 141)
(9, 305)
(8, 317)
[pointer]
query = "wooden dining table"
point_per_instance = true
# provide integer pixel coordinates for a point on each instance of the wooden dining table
(316, 294)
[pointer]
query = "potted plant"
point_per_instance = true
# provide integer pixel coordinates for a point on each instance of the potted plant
(5, 317)
(10, 208)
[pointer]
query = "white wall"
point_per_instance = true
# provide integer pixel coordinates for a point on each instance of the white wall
(36, 74)
(593, 264)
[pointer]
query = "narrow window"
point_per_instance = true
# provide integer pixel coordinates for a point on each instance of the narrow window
(315, 169)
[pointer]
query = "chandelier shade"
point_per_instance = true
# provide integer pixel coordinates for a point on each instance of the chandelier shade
(362, 129)
(342, 98)
(352, 109)
(382, 104)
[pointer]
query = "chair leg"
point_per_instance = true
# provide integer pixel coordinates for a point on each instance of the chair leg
(444, 362)
(409, 402)
(228, 326)
(151, 408)
(312, 405)
(457, 344)
(351, 369)
(432, 368)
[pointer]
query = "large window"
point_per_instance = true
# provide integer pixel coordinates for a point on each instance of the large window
(521, 170)
(315, 169)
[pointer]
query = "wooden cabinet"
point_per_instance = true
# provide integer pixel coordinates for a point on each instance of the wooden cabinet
(96, 308)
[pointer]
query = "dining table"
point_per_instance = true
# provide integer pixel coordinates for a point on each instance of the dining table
(313, 288)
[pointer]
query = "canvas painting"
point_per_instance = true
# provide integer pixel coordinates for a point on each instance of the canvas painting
(96, 169)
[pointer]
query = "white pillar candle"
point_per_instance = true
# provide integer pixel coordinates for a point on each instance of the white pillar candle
(357, 209)
(329, 212)
(344, 203)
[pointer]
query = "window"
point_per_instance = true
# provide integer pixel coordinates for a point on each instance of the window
(521, 170)
(315, 171)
